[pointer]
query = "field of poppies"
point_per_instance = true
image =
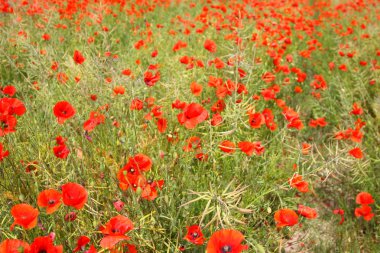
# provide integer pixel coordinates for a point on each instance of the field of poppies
(189, 126)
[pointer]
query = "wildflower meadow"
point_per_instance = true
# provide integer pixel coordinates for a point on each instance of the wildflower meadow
(189, 126)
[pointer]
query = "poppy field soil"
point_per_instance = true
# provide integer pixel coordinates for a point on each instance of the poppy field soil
(189, 126)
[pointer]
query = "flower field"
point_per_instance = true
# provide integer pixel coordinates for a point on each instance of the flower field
(189, 126)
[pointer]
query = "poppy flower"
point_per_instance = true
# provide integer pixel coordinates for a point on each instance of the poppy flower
(44, 244)
(50, 199)
(24, 215)
(118, 90)
(226, 240)
(9, 90)
(364, 198)
(256, 120)
(82, 241)
(140, 162)
(227, 147)
(285, 217)
(114, 231)
(365, 211)
(210, 46)
(7, 124)
(162, 124)
(61, 151)
(63, 110)
(3, 153)
(308, 212)
(151, 79)
(13, 246)
(11, 106)
(149, 191)
(194, 235)
(216, 119)
(192, 115)
(78, 57)
(251, 147)
(74, 195)
(96, 118)
(297, 182)
(356, 109)
(196, 88)
(119, 205)
(356, 152)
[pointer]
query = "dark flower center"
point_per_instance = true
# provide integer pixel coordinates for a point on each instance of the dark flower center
(226, 248)
(51, 202)
(42, 251)
(195, 235)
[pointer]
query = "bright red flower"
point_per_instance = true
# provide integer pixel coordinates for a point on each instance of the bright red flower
(308, 212)
(365, 211)
(341, 213)
(285, 217)
(63, 110)
(74, 195)
(149, 191)
(78, 57)
(150, 79)
(61, 151)
(3, 153)
(24, 215)
(44, 244)
(82, 241)
(226, 240)
(118, 90)
(364, 198)
(13, 246)
(297, 182)
(194, 235)
(9, 90)
(250, 147)
(114, 231)
(7, 124)
(356, 109)
(49, 199)
(227, 146)
(192, 115)
(210, 46)
(356, 152)
(256, 120)
(196, 88)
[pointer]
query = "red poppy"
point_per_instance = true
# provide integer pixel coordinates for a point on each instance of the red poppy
(44, 244)
(82, 241)
(9, 90)
(150, 79)
(227, 146)
(61, 151)
(365, 211)
(149, 191)
(10, 106)
(119, 205)
(297, 182)
(356, 152)
(196, 88)
(3, 153)
(63, 110)
(285, 217)
(118, 90)
(364, 198)
(24, 215)
(308, 212)
(194, 235)
(114, 231)
(256, 120)
(162, 124)
(50, 199)
(7, 124)
(210, 46)
(74, 195)
(192, 115)
(216, 119)
(356, 109)
(180, 44)
(96, 118)
(140, 162)
(78, 57)
(249, 147)
(13, 246)
(226, 240)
